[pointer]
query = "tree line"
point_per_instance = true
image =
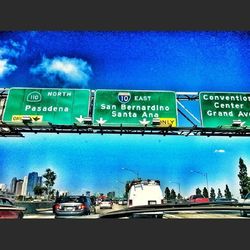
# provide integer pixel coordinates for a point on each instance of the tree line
(244, 183)
(171, 194)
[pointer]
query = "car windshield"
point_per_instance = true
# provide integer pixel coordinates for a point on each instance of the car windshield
(155, 117)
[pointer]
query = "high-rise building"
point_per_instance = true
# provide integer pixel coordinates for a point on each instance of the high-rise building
(19, 185)
(25, 185)
(13, 185)
(32, 182)
(39, 181)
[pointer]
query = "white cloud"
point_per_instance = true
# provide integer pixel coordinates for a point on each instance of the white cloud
(6, 68)
(219, 151)
(70, 71)
(12, 49)
(3, 51)
(9, 50)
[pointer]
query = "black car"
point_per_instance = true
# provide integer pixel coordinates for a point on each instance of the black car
(72, 205)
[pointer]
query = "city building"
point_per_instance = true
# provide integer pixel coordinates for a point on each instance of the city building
(13, 185)
(25, 185)
(19, 186)
(32, 182)
(39, 181)
(3, 187)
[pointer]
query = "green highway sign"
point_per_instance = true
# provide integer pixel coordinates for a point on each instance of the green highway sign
(135, 108)
(224, 109)
(41, 106)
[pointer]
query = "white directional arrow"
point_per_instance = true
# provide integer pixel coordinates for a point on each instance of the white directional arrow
(101, 121)
(80, 119)
(144, 122)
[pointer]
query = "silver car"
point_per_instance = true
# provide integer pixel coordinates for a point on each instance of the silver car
(106, 203)
(72, 205)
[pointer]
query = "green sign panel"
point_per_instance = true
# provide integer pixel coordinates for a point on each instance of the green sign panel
(40, 106)
(224, 109)
(135, 108)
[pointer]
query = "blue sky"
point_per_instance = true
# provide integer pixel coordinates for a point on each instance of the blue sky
(176, 61)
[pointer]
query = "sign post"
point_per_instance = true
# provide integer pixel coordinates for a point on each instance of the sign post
(225, 109)
(43, 106)
(1, 106)
(135, 108)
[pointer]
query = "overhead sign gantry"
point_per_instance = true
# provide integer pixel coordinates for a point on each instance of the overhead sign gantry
(32, 110)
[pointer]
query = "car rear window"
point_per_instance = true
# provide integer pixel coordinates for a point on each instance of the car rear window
(71, 199)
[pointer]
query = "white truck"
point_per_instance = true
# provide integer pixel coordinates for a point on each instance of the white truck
(145, 192)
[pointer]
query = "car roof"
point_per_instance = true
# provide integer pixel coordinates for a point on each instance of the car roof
(66, 198)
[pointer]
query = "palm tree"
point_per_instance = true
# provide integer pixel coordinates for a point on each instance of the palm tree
(50, 177)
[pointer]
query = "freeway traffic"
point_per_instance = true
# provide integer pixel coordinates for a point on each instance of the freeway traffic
(48, 213)
(216, 213)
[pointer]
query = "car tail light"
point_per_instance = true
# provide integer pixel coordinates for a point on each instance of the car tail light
(57, 206)
(81, 206)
